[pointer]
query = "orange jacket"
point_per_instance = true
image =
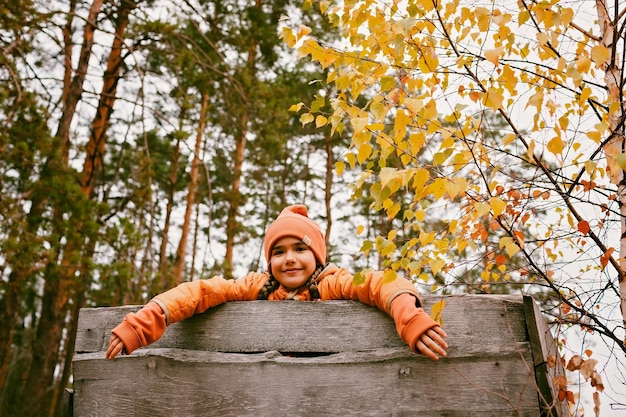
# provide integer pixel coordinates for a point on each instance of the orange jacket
(398, 298)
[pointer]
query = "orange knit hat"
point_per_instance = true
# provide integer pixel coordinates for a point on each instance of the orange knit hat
(294, 221)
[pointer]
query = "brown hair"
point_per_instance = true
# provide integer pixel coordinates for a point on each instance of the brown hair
(272, 284)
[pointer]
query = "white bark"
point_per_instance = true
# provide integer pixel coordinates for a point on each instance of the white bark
(616, 145)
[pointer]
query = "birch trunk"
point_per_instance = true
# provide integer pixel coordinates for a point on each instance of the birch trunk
(615, 146)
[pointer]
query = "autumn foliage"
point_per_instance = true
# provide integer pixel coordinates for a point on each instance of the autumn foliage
(420, 86)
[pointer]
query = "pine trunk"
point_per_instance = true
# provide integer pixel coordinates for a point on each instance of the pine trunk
(191, 191)
(65, 285)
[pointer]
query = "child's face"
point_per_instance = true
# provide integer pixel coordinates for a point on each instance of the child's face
(292, 262)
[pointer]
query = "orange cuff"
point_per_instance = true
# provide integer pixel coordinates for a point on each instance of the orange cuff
(411, 321)
(141, 328)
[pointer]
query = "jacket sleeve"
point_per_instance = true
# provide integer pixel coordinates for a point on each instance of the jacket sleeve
(375, 290)
(147, 325)
(141, 328)
(411, 320)
(196, 297)
(398, 298)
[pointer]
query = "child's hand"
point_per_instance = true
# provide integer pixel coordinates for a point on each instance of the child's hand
(423, 334)
(115, 347)
(432, 344)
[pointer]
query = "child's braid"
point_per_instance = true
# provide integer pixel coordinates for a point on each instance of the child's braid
(311, 284)
(272, 285)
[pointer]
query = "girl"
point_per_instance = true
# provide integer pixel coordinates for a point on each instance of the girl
(295, 251)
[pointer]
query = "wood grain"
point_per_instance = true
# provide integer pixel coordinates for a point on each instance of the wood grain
(339, 358)
(330, 326)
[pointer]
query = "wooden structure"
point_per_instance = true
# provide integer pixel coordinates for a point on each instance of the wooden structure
(338, 358)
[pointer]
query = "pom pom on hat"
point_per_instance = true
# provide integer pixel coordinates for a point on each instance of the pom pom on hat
(294, 221)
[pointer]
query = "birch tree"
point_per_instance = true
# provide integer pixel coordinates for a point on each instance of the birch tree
(415, 80)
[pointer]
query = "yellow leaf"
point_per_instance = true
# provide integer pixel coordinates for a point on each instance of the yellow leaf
(358, 123)
(600, 54)
(456, 187)
(493, 98)
(420, 177)
(481, 209)
(429, 61)
(497, 205)
(416, 142)
(351, 158)
(387, 83)
(437, 310)
(583, 63)
(567, 15)
(556, 145)
(359, 139)
(509, 245)
(379, 111)
(296, 107)
(440, 157)
(530, 152)
(437, 188)
(426, 237)
(386, 175)
(303, 30)
(462, 158)
(364, 152)
(306, 118)
(584, 94)
(542, 38)
(340, 166)
(436, 265)
(360, 228)
(448, 142)
(590, 166)
(414, 105)
(428, 5)
(483, 18)
(508, 79)
(320, 121)
(389, 276)
(324, 6)
(523, 17)
(493, 55)
(536, 100)
(393, 210)
(594, 136)
(288, 37)
(574, 74)
(430, 113)
(399, 127)
(508, 139)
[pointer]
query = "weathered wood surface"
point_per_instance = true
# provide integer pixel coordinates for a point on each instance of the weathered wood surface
(543, 346)
(330, 326)
(232, 361)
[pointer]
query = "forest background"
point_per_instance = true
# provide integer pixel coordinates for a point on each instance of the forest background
(470, 146)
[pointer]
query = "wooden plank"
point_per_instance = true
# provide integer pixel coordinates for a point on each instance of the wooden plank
(472, 322)
(227, 362)
(67, 403)
(544, 347)
(171, 382)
